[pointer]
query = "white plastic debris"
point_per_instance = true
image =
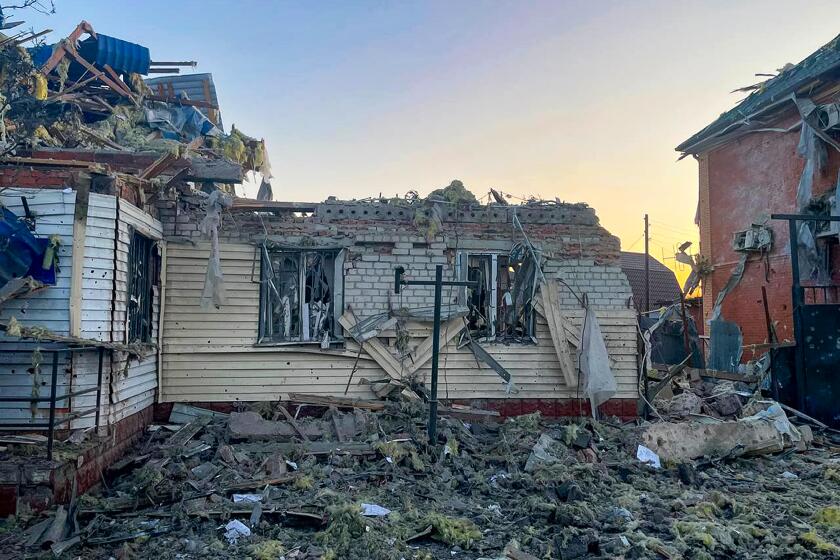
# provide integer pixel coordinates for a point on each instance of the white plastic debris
(648, 457)
(598, 379)
(247, 498)
(236, 529)
(292, 465)
(790, 475)
(373, 510)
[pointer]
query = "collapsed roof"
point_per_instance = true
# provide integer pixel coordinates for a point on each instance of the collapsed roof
(88, 94)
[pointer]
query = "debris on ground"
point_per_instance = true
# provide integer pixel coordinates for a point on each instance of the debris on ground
(524, 488)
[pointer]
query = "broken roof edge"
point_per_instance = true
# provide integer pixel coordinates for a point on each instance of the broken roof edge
(195, 166)
(772, 93)
(332, 209)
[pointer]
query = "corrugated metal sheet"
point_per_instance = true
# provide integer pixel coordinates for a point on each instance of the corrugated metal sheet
(209, 355)
(198, 87)
(122, 56)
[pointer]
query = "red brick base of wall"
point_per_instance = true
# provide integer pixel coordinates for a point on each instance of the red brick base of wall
(626, 409)
(40, 484)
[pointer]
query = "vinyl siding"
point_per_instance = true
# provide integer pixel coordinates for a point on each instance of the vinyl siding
(129, 389)
(209, 355)
(50, 308)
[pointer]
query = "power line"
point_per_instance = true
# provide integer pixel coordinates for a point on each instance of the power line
(684, 231)
(629, 247)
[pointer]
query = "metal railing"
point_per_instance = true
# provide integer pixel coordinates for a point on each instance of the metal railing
(50, 426)
(820, 295)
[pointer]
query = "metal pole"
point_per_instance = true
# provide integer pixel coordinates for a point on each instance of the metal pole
(433, 401)
(647, 265)
(52, 405)
(686, 340)
(99, 386)
(770, 337)
(796, 300)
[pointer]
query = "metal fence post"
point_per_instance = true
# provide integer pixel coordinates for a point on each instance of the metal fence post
(52, 405)
(433, 401)
(99, 386)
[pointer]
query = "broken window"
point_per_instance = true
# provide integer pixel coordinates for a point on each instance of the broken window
(500, 305)
(142, 277)
(301, 297)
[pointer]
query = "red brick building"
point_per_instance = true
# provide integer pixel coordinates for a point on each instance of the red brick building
(749, 168)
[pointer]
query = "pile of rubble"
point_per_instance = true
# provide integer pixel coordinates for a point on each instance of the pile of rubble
(314, 482)
(90, 93)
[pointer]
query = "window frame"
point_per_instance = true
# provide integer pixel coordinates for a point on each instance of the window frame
(336, 300)
(142, 271)
(462, 259)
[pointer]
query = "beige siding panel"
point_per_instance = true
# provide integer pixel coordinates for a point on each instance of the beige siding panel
(209, 355)
(135, 380)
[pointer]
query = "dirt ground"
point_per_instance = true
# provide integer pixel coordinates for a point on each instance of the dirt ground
(522, 489)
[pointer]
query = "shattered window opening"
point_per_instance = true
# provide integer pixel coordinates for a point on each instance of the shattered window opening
(499, 308)
(142, 274)
(300, 297)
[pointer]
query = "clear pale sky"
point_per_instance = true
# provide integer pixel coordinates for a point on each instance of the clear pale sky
(583, 101)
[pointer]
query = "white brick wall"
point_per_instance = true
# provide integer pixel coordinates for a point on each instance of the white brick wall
(605, 286)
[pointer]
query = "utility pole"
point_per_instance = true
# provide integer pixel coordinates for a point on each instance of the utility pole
(647, 265)
(438, 283)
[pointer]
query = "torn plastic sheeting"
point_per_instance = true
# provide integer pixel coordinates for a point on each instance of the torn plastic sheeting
(734, 280)
(247, 498)
(777, 416)
(811, 147)
(213, 295)
(598, 380)
(235, 529)
(813, 151)
(373, 510)
(809, 254)
(179, 122)
(648, 457)
(265, 192)
(23, 254)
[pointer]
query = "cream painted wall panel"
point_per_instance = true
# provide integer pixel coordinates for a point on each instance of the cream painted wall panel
(209, 354)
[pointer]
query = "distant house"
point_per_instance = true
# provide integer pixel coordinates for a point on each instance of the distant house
(664, 289)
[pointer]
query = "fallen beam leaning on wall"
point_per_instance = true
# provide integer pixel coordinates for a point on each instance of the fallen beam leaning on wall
(550, 309)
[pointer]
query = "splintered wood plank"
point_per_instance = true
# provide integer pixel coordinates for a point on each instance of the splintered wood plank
(557, 327)
(423, 353)
(374, 348)
(344, 402)
(189, 431)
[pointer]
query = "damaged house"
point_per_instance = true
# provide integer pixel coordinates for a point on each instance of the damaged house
(133, 280)
(775, 153)
(305, 302)
(87, 148)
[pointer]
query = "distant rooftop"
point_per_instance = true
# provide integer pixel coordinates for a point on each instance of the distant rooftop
(664, 288)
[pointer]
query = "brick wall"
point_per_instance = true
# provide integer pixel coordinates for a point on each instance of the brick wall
(44, 177)
(749, 179)
(379, 237)
(38, 483)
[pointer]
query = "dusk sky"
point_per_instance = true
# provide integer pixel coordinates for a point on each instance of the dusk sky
(583, 101)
